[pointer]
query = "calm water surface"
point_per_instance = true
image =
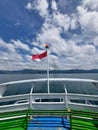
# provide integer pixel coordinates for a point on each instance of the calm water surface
(12, 77)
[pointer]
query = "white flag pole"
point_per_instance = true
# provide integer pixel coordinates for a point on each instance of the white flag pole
(47, 47)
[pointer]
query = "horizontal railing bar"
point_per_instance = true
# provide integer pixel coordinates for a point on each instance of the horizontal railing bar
(79, 117)
(84, 95)
(14, 117)
(47, 96)
(50, 79)
(80, 104)
(13, 96)
(50, 94)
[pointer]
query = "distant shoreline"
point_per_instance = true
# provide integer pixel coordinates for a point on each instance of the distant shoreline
(29, 71)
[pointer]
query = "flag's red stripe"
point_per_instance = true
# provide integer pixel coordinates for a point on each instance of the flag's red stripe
(39, 56)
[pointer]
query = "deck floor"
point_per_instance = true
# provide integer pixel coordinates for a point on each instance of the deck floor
(49, 120)
(49, 123)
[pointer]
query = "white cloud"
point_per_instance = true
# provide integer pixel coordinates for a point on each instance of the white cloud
(54, 5)
(68, 53)
(73, 22)
(8, 46)
(52, 36)
(74, 51)
(28, 58)
(53, 62)
(29, 6)
(77, 55)
(20, 45)
(88, 20)
(90, 4)
(61, 20)
(10, 59)
(35, 50)
(95, 41)
(41, 6)
(88, 49)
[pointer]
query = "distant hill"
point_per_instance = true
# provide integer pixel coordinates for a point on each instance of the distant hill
(30, 71)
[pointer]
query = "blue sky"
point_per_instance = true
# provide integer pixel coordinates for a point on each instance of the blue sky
(70, 27)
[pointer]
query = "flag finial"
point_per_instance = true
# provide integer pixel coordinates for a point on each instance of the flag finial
(46, 46)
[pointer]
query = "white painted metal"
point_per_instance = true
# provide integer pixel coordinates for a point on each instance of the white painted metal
(31, 99)
(66, 99)
(2, 90)
(50, 79)
(48, 88)
(48, 105)
(34, 100)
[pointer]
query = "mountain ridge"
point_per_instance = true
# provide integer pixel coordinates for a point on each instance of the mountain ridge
(31, 71)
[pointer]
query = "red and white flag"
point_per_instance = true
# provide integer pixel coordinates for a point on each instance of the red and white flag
(39, 56)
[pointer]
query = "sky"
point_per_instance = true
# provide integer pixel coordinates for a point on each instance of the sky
(70, 27)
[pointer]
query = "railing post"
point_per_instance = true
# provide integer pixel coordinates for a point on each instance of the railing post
(66, 99)
(2, 90)
(30, 98)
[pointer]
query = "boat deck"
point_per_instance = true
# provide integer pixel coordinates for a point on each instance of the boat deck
(56, 119)
(49, 123)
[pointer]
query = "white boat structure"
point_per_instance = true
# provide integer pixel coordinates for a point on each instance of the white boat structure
(48, 100)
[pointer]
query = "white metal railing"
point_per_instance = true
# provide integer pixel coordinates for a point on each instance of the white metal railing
(65, 101)
(82, 106)
(82, 96)
(45, 100)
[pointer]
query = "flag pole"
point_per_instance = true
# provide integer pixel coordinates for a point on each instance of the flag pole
(47, 47)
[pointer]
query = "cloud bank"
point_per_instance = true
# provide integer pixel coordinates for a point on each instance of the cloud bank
(72, 37)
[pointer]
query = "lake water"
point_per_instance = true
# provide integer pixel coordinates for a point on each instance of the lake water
(12, 77)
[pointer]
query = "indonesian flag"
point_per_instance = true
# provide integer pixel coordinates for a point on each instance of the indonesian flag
(39, 56)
